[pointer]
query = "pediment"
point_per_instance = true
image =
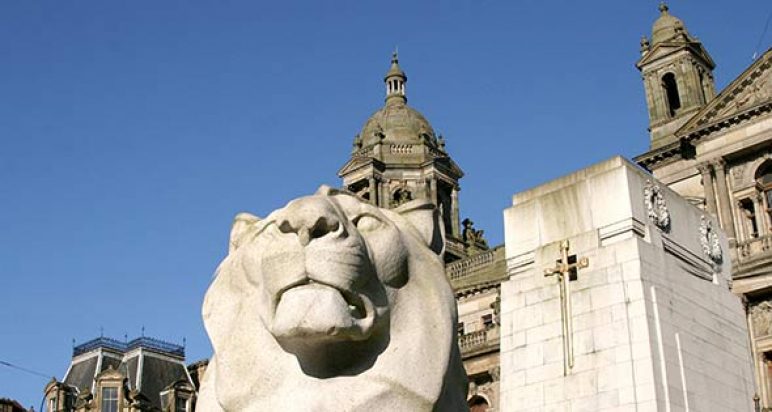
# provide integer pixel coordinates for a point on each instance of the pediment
(751, 89)
(662, 50)
(353, 164)
(110, 374)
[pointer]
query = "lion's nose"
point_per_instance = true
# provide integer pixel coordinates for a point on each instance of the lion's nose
(308, 218)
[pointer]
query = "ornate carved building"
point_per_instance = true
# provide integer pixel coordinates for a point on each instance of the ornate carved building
(715, 150)
(107, 375)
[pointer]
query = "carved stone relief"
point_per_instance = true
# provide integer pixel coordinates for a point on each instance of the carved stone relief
(710, 242)
(737, 173)
(761, 318)
(656, 207)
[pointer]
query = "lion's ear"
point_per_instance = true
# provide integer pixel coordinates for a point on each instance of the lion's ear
(425, 217)
(241, 225)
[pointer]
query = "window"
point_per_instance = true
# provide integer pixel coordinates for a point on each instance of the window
(670, 87)
(764, 181)
(460, 328)
(488, 321)
(180, 405)
(703, 86)
(52, 405)
(749, 218)
(109, 399)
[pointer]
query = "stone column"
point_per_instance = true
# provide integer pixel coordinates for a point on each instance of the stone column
(455, 222)
(433, 190)
(724, 203)
(707, 183)
(373, 191)
(384, 194)
(742, 231)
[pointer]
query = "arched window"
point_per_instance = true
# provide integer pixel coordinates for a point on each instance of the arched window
(401, 196)
(478, 404)
(702, 87)
(671, 93)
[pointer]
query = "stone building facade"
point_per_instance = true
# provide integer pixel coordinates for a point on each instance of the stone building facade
(107, 375)
(712, 149)
(715, 151)
(10, 405)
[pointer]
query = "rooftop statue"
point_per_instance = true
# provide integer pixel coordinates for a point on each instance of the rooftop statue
(333, 304)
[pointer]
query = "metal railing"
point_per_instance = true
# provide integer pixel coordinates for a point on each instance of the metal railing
(116, 345)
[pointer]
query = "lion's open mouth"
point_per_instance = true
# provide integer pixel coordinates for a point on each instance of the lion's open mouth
(354, 302)
(309, 309)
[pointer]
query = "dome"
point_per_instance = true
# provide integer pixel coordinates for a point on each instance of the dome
(397, 122)
(666, 27)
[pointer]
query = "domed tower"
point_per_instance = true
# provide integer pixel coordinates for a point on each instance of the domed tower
(398, 157)
(677, 76)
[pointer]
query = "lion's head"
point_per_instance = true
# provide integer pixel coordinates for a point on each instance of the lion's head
(331, 303)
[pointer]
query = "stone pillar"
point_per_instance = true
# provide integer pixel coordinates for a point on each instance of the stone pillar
(383, 191)
(724, 203)
(373, 191)
(433, 190)
(765, 215)
(742, 231)
(455, 218)
(707, 183)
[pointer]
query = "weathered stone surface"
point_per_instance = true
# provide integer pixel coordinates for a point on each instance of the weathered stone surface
(654, 325)
(333, 304)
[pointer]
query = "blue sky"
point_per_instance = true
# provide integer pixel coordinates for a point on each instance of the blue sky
(132, 132)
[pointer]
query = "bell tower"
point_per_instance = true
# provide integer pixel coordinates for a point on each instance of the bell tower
(677, 75)
(397, 157)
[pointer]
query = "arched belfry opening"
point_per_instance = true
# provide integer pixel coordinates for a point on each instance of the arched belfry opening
(670, 87)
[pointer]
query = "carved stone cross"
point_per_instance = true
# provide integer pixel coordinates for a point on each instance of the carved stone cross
(563, 271)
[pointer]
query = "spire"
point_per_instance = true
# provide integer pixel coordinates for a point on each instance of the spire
(395, 80)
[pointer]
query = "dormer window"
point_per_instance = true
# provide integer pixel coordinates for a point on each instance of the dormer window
(109, 399)
(180, 405)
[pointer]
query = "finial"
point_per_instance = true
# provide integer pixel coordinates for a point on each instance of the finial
(663, 7)
(143, 331)
(395, 80)
(644, 44)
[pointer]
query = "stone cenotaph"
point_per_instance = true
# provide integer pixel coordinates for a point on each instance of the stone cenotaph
(619, 299)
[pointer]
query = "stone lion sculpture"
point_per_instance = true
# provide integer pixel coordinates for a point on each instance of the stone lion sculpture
(333, 304)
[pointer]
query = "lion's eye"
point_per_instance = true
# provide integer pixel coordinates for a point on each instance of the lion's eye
(367, 223)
